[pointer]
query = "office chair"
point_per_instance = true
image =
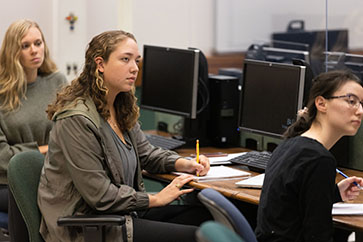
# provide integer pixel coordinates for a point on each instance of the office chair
(4, 233)
(212, 231)
(24, 216)
(226, 213)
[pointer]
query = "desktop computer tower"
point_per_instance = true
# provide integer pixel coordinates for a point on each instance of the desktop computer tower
(224, 101)
(237, 72)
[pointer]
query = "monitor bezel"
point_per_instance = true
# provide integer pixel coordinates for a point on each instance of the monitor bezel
(192, 114)
(301, 69)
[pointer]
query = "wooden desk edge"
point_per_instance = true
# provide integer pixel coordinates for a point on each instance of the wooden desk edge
(235, 194)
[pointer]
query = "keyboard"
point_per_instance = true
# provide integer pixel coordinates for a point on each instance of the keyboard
(255, 160)
(164, 142)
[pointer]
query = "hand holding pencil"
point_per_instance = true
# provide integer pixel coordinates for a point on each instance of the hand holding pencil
(349, 187)
(199, 165)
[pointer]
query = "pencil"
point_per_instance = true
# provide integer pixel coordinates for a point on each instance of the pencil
(345, 176)
(197, 150)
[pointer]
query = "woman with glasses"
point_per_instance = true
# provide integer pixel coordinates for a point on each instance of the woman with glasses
(299, 187)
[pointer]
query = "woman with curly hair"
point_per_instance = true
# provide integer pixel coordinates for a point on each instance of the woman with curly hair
(97, 152)
(28, 83)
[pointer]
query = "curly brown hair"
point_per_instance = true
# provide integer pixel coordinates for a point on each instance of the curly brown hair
(90, 83)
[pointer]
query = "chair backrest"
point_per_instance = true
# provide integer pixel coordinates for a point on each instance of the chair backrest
(23, 177)
(211, 231)
(225, 212)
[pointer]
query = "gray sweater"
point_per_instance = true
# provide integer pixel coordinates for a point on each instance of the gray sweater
(27, 127)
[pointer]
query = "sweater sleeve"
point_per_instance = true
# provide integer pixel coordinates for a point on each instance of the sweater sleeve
(317, 200)
(7, 151)
(78, 139)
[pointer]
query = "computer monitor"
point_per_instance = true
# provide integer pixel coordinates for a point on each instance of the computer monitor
(316, 39)
(337, 39)
(272, 94)
(342, 60)
(285, 55)
(170, 80)
(289, 45)
(265, 52)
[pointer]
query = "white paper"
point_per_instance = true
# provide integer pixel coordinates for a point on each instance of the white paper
(347, 209)
(252, 182)
(219, 172)
(224, 160)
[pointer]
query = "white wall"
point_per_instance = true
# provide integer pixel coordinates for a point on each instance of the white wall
(181, 24)
(20, 9)
(211, 25)
(93, 18)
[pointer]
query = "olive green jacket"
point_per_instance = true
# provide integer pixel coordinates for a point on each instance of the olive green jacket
(83, 172)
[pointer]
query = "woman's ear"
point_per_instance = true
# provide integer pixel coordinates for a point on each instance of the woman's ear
(321, 104)
(99, 62)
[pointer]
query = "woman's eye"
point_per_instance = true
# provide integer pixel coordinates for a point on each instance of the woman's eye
(24, 46)
(352, 101)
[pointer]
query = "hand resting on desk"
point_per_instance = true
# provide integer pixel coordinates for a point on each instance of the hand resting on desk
(173, 190)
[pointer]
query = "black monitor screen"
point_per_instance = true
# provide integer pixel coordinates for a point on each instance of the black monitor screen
(272, 93)
(170, 80)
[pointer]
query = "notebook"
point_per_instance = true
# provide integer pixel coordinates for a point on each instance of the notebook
(218, 173)
(252, 182)
(347, 209)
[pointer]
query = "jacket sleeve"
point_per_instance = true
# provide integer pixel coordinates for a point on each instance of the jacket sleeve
(79, 141)
(153, 159)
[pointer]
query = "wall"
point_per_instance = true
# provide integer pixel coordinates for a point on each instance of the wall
(19, 9)
(180, 24)
(211, 25)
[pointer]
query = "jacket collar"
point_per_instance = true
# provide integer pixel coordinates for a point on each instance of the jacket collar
(84, 106)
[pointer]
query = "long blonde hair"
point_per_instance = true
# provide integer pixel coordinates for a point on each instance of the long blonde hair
(13, 82)
(91, 83)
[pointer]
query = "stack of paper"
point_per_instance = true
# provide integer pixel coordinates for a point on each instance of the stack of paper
(347, 209)
(223, 160)
(219, 172)
(252, 182)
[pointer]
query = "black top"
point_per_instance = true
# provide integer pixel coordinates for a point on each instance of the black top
(298, 193)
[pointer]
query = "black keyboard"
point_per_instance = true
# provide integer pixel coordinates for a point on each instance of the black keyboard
(164, 142)
(255, 160)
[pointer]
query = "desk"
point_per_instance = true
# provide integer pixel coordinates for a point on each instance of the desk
(252, 196)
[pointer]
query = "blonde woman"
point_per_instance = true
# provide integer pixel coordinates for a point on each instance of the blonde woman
(28, 83)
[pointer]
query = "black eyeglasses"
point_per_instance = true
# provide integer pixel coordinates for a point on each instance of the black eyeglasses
(352, 100)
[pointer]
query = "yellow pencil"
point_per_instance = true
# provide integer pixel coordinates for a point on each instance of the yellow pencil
(197, 150)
